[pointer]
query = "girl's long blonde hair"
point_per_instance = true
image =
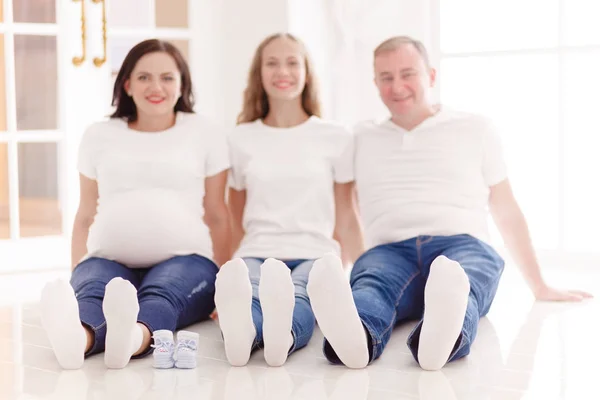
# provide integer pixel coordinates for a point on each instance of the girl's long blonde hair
(256, 102)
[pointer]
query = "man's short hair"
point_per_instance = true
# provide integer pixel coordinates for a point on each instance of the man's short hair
(396, 42)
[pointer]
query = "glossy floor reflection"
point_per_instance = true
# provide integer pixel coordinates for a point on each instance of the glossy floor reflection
(524, 350)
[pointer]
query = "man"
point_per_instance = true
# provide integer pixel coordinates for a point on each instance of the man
(425, 180)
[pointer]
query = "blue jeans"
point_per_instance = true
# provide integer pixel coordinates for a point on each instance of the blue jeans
(388, 285)
(303, 319)
(173, 294)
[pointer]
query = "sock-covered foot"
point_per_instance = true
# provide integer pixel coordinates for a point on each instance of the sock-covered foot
(446, 297)
(60, 319)
(233, 301)
(332, 302)
(276, 292)
(123, 335)
(187, 349)
(164, 349)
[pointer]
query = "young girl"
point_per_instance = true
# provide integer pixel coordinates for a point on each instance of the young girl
(291, 190)
(153, 183)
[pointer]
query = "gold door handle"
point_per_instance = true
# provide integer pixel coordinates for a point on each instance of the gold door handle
(77, 61)
(98, 62)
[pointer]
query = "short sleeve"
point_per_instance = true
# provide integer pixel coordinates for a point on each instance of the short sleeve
(217, 158)
(494, 166)
(343, 167)
(86, 157)
(236, 180)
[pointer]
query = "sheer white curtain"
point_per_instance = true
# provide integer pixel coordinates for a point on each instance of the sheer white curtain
(356, 28)
(345, 17)
(539, 81)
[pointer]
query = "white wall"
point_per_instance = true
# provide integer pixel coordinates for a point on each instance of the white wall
(342, 34)
(205, 57)
(233, 29)
(339, 34)
(308, 20)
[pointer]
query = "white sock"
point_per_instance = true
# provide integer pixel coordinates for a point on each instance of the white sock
(233, 301)
(123, 336)
(446, 298)
(276, 292)
(331, 299)
(60, 319)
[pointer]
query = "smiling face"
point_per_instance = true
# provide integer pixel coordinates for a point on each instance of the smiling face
(154, 85)
(404, 81)
(283, 69)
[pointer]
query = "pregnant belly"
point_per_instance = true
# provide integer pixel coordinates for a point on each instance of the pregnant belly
(141, 231)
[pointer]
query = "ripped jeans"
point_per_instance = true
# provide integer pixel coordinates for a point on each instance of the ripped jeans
(172, 295)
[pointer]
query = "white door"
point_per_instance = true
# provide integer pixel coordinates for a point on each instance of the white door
(58, 61)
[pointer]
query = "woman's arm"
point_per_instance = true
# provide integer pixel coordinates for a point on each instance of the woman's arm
(237, 202)
(88, 201)
(216, 217)
(347, 231)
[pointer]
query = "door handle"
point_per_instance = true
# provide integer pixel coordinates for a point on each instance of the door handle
(99, 61)
(77, 61)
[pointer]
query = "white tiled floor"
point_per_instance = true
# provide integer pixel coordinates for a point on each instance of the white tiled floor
(524, 350)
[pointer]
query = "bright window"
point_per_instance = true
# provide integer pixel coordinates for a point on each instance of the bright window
(534, 67)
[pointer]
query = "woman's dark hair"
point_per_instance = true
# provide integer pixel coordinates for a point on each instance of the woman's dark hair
(126, 108)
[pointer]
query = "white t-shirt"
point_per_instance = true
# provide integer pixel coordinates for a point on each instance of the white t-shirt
(289, 176)
(151, 188)
(433, 180)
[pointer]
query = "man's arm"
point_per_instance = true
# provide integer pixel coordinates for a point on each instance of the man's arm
(514, 230)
